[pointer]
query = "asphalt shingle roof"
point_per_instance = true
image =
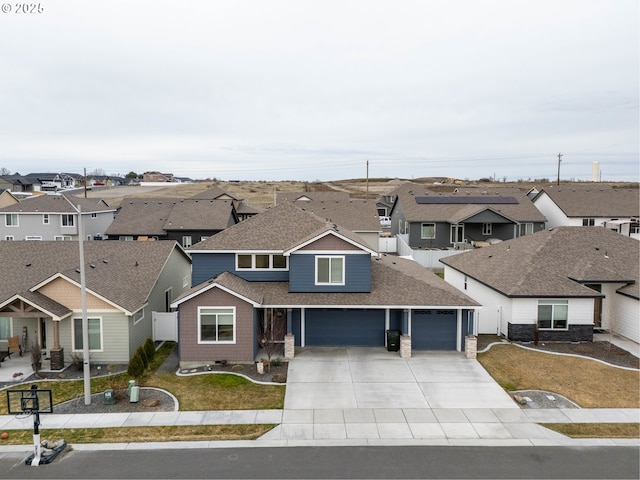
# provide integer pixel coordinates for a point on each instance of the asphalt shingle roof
(122, 272)
(594, 200)
(553, 263)
(57, 204)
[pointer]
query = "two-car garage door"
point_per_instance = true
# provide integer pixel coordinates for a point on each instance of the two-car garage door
(430, 329)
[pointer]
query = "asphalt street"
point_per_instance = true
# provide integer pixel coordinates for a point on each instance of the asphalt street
(337, 462)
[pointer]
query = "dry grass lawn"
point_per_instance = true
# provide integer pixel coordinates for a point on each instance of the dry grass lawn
(588, 383)
(596, 430)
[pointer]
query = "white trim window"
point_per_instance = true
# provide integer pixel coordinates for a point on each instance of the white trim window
(9, 238)
(62, 238)
(217, 325)
(487, 229)
(525, 229)
(95, 334)
(68, 220)
(428, 231)
(329, 270)
(11, 219)
(126, 238)
(139, 315)
(261, 261)
(187, 241)
(45, 219)
(553, 314)
(457, 232)
(588, 222)
(94, 215)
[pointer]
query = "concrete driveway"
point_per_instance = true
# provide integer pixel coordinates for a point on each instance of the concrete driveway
(372, 378)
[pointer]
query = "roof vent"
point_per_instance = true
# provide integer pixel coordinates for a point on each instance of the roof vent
(77, 270)
(92, 265)
(28, 264)
(137, 264)
(105, 261)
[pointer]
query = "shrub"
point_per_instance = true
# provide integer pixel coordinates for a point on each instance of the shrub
(136, 366)
(150, 349)
(143, 356)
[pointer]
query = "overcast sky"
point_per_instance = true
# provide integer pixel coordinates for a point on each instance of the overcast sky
(311, 90)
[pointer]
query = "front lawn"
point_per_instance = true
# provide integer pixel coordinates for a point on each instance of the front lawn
(588, 383)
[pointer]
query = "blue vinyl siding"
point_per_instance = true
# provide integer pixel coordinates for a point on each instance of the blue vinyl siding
(344, 327)
(210, 265)
(302, 271)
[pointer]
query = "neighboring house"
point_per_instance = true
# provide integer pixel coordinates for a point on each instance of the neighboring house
(54, 217)
(157, 177)
(558, 284)
(7, 198)
(16, 183)
(359, 216)
(243, 209)
(474, 216)
(290, 271)
(40, 294)
(598, 205)
(186, 221)
(50, 182)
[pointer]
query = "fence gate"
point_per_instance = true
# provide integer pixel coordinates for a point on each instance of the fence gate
(165, 326)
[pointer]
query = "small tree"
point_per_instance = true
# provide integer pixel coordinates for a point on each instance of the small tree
(271, 332)
(143, 356)
(136, 367)
(150, 349)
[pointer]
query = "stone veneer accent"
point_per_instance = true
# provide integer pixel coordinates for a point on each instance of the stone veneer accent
(470, 346)
(526, 333)
(405, 346)
(57, 359)
(289, 346)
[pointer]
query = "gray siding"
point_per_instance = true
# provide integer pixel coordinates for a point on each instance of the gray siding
(442, 240)
(115, 338)
(357, 274)
(31, 224)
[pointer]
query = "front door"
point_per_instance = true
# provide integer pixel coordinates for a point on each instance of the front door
(597, 305)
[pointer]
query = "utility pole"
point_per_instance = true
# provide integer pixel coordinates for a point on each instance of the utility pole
(559, 160)
(367, 195)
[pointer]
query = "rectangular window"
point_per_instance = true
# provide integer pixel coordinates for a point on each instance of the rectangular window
(186, 241)
(588, 222)
(139, 315)
(261, 261)
(457, 233)
(553, 314)
(94, 215)
(5, 328)
(487, 228)
(126, 238)
(428, 231)
(62, 238)
(329, 270)
(45, 219)
(33, 237)
(11, 219)
(216, 325)
(526, 229)
(68, 220)
(95, 334)
(9, 237)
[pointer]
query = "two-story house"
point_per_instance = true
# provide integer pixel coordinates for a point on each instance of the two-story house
(243, 209)
(473, 216)
(320, 282)
(591, 205)
(54, 217)
(186, 221)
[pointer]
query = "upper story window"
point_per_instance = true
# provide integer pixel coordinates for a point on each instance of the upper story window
(94, 215)
(11, 219)
(428, 231)
(187, 241)
(45, 219)
(261, 261)
(62, 238)
(487, 228)
(588, 222)
(68, 220)
(126, 238)
(329, 270)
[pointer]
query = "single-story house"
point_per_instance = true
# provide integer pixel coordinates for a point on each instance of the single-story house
(126, 282)
(558, 285)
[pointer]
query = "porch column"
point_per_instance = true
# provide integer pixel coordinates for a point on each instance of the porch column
(56, 353)
(289, 338)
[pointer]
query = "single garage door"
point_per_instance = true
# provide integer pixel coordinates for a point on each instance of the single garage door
(434, 329)
(344, 327)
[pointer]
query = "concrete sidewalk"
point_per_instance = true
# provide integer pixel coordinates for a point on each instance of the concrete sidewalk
(326, 427)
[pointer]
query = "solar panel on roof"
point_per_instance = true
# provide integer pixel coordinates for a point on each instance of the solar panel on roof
(463, 200)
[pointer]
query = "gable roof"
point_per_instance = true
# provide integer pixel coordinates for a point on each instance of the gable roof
(420, 204)
(594, 200)
(553, 263)
(57, 204)
(396, 282)
(214, 193)
(355, 214)
(277, 229)
(201, 215)
(124, 273)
